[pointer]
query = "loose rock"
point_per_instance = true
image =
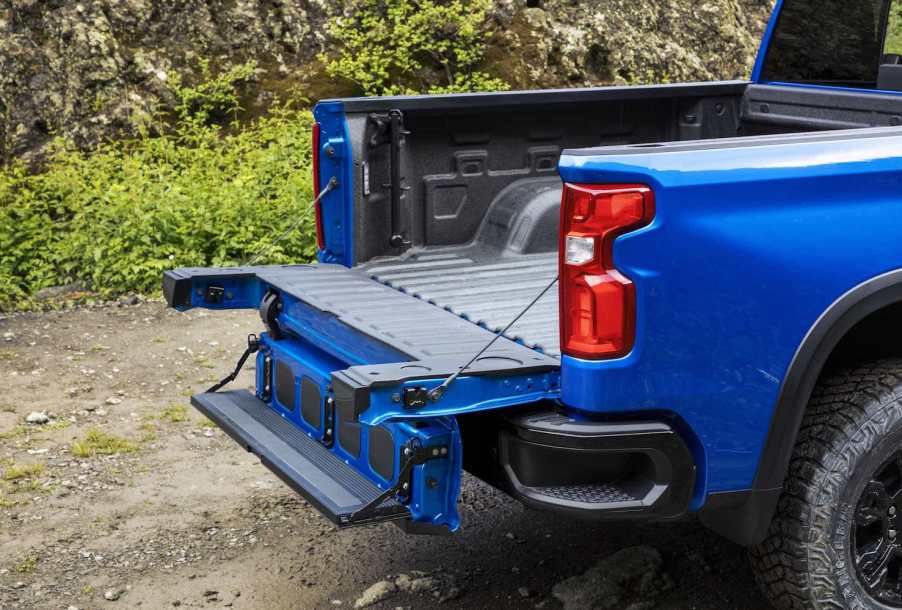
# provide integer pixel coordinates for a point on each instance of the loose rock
(112, 595)
(628, 576)
(376, 593)
(37, 417)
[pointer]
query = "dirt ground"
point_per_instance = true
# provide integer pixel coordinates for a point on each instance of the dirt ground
(127, 498)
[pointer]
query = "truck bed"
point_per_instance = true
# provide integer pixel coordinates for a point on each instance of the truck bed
(483, 289)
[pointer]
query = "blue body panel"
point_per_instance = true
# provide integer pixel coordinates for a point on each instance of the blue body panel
(750, 245)
(337, 207)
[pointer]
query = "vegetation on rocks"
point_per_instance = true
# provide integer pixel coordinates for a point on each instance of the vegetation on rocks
(398, 47)
(204, 192)
(122, 153)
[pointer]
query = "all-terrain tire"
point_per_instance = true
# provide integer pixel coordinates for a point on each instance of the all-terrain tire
(852, 427)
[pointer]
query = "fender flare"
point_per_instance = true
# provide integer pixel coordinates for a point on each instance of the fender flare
(745, 516)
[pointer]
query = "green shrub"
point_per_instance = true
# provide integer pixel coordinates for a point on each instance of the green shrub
(202, 193)
(392, 47)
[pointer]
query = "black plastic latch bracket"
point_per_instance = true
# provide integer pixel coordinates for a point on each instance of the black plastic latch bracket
(415, 398)
(329, 422)
(214, 295)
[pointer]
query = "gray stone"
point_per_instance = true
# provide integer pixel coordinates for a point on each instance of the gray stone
(376, 593)
(37, 417)
(128, 54)
(112, 595)
(629, 576)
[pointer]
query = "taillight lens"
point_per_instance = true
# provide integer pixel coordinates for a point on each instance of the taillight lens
(598, 303)
(320, 238)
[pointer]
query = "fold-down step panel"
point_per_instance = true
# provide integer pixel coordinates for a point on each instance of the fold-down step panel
(323, 478)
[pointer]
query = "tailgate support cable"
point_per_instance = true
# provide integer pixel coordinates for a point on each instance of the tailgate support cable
(333, 182)
(436, 394)
(253, 343)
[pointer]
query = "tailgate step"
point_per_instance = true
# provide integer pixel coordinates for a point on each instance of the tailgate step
(320, 476)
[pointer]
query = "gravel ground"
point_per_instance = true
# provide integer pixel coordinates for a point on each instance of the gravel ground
(120, 496)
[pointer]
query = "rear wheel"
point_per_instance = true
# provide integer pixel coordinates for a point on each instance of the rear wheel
(836, 541)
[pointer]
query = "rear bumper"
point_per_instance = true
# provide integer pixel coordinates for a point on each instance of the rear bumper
(590, 469)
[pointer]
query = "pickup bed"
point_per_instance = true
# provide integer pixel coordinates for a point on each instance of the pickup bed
(624, 302)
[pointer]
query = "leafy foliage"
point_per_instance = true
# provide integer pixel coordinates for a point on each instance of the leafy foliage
(894, 30)
(394, 47)
(203, 193)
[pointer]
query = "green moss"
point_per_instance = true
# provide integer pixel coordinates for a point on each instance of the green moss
(27, 564)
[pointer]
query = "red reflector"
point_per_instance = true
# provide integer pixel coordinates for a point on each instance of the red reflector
(315, 145)
(598, 303)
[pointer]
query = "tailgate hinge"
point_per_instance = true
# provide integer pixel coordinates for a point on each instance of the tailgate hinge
(328, 438)
(413, 455)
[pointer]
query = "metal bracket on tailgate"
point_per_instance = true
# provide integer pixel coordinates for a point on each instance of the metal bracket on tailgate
(414, 455)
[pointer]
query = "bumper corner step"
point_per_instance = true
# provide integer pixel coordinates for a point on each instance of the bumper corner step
(322, 478)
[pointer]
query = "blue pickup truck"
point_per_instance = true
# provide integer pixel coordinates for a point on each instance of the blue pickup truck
(614, 303)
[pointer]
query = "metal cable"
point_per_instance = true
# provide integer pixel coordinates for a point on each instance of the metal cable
(333, 182)
(438, 392)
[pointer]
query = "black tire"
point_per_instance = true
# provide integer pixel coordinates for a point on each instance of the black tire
(832, 515)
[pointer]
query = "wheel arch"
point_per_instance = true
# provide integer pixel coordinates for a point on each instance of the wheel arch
(744, 516)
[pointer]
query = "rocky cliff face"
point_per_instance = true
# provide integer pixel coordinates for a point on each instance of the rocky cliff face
(93, 69)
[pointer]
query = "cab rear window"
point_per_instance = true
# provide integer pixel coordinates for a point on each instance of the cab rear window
(833, 42)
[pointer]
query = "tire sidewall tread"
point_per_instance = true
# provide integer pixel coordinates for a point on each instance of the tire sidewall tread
(853, 419)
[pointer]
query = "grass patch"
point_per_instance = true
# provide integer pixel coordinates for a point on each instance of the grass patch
(13, 433)
(7, 502)
(148, 432)
(23, 471)
(61, 424)
(204, 362)
(6, 356)
(97, 442)
(174, 414)
(20, 430)
(28, 564)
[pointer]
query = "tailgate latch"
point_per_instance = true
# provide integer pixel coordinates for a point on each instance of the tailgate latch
(415, 398)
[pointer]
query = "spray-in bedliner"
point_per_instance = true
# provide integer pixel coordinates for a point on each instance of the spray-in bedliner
(487, 292)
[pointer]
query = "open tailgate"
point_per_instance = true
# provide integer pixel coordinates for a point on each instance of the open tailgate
(342, 409)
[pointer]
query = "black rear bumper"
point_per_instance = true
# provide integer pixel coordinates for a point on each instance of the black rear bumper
(588, 469)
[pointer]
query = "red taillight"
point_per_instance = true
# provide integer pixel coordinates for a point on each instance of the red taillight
(598, 303)
(320, 238)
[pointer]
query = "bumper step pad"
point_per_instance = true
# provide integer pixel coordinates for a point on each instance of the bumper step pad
(308, 467)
